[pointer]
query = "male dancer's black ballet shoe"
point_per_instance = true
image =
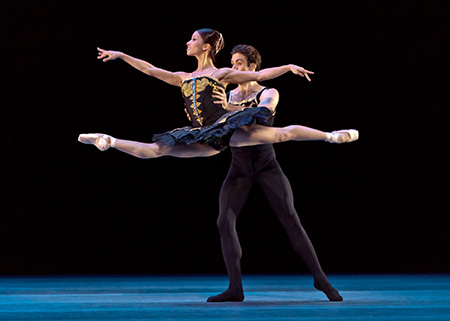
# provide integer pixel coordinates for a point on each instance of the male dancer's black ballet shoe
(343, 136)
(227, 296)
(101, 141)
(331, 293)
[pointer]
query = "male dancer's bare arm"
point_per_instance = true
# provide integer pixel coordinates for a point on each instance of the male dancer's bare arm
(269, 99)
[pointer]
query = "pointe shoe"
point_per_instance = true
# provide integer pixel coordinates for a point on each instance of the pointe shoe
(343, 136)
(101, 141)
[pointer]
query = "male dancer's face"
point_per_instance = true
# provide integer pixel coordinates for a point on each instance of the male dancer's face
(240, 62)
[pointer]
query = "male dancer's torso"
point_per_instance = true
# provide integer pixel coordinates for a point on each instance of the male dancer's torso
(251, 160)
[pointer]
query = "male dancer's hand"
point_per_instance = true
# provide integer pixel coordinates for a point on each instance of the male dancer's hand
(187, 114)
(221, 98)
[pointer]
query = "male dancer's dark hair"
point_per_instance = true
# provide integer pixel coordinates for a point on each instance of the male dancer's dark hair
(251, 53)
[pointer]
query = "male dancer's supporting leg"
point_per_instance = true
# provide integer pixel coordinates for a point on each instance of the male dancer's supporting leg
(279, 194)
(233, 196)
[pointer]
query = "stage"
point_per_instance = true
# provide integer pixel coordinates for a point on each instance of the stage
(268, 297)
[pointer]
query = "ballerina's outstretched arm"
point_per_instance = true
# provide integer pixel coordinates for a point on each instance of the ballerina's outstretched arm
(172, 78)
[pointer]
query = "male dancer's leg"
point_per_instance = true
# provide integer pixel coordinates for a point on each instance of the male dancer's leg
(278, 191)
(233, 195)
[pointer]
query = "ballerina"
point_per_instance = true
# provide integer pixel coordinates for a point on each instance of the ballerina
(213, 128)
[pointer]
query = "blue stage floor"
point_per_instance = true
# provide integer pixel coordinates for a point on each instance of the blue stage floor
(272, 297)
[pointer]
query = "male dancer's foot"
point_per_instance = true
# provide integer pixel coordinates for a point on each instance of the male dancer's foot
(343, 136)
(228, 296)
(325, 286)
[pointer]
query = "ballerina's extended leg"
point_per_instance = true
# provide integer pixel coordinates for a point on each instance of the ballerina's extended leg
(101, 141)
(258, 134)
(342, 136)
(144, 150)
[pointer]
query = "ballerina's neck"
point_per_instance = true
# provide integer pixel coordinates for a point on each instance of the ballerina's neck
(204, 62)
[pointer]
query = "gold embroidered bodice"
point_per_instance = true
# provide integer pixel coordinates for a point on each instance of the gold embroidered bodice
(197, 94)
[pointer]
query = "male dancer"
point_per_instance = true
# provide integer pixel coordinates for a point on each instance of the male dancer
(257, 164)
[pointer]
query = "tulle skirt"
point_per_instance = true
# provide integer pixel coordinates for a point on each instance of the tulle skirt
(218, 134)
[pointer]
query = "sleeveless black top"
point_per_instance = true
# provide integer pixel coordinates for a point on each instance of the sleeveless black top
(253, 154)
(197, 95)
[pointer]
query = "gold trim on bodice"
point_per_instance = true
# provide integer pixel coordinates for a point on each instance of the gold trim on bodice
(192, 92)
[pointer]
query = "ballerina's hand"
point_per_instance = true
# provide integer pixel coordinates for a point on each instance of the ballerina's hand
(107, 55)
(301, 71)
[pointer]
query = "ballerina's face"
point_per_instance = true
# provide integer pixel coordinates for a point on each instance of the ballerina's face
(196, 45)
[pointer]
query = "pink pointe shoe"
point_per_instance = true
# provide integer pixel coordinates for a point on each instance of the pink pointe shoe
(343, 136)
(101, 141)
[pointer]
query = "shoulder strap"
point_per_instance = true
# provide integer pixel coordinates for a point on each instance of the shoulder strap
(258, 95)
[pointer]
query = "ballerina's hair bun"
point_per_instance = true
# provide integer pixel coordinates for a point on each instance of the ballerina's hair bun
(214, 38)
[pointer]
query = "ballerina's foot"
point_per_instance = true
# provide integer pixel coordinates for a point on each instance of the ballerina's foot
(227, 296)
(101, 141)
(331, 293)
(343, 136)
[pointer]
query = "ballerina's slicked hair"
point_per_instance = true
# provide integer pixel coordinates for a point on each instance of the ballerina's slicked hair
(251, 53)
(214, 38)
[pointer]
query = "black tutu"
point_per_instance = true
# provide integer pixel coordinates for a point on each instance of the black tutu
(219, 133)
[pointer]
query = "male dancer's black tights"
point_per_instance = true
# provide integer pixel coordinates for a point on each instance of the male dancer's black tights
(257, 164)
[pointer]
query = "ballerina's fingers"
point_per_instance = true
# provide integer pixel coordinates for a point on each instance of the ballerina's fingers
(103, 54)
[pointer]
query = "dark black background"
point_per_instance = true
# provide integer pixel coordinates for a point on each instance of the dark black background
(377, 205)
